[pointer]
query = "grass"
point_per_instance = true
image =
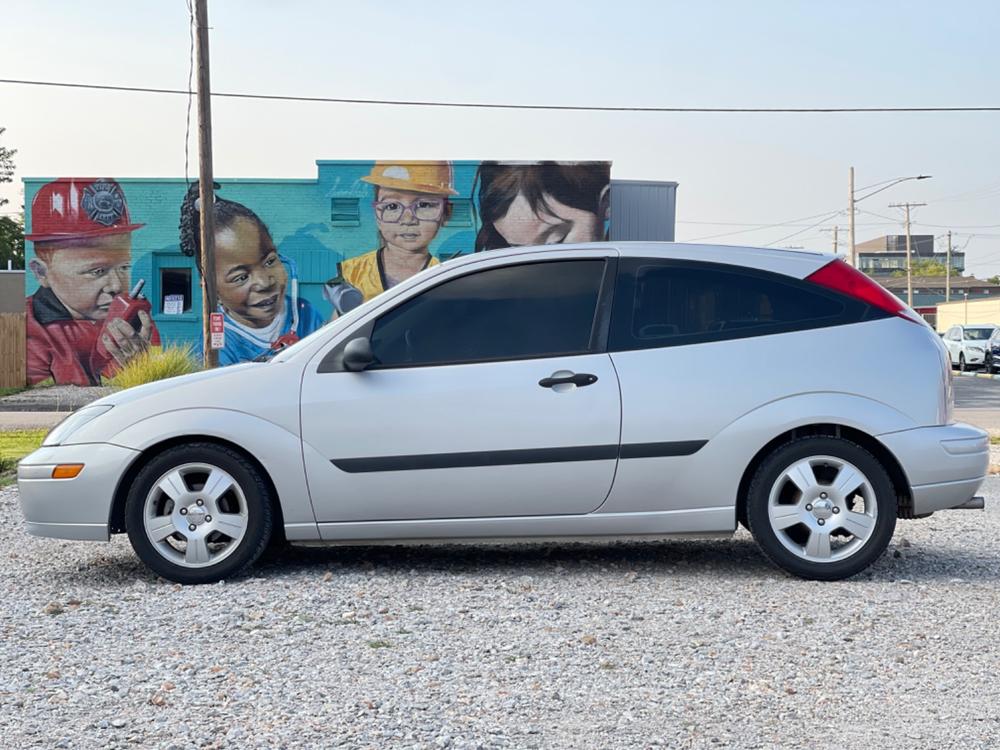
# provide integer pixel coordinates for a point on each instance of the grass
(11, 391)
(15, 445)
(156, 364)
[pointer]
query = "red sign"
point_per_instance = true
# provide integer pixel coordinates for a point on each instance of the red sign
(217, 328)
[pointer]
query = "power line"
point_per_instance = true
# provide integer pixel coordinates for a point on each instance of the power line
(801, 231)
(491, 105)
(790, 222)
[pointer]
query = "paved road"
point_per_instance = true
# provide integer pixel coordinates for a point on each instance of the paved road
(976, 393)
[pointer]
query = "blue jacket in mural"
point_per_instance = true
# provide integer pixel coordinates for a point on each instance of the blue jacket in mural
(244, 345)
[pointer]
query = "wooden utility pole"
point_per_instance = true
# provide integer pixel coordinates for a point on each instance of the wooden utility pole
(909, 255)
(205, 179)
(836, 239)
(850, 216)
(947, 271)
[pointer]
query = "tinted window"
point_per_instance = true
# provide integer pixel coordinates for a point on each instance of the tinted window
(514, 312)
(673, 303)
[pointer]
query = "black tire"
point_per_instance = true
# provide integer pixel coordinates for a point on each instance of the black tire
(259, 514)
(796, 450)
(961, 362)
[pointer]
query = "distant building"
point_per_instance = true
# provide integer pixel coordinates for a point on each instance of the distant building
(885, 255)
(929, 291)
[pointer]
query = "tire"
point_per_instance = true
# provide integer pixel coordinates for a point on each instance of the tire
(961, 362)
(790, 523)
(168, 510)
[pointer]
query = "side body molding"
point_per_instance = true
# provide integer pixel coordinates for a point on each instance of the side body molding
(278, 451)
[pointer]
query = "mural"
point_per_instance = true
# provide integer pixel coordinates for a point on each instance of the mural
(290, 254)
(257, 289)
(85, 320)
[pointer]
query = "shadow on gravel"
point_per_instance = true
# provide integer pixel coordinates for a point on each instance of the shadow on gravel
(737, 559)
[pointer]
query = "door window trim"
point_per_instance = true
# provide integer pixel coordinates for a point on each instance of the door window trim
(333, 361)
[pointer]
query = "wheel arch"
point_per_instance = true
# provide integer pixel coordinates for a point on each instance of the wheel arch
(116, 521)
(900, 483)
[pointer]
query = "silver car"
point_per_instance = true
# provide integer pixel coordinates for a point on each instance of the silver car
(596, 391)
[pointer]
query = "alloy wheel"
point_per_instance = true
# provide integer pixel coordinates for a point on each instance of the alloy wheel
(195, 515)
(822, 509)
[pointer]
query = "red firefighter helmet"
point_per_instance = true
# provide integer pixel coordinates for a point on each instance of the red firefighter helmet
(76, 208)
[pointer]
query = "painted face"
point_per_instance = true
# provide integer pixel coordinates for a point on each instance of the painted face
(87, 277)
(522, 226)
(249, 277)
(409, 232)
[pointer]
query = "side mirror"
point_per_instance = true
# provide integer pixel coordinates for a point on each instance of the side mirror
(358, 354)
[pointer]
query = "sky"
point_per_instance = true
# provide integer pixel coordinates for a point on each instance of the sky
(738, 174)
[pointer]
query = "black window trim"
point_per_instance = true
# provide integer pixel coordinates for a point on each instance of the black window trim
(630, 265)
(600, 329)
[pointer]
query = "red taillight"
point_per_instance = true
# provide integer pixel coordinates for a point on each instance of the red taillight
(845, 279)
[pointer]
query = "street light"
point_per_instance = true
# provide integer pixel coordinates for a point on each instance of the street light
(852, 200)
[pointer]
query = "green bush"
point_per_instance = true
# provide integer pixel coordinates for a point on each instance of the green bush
(156, 364)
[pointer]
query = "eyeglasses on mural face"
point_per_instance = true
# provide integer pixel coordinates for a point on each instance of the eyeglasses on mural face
(423, 209)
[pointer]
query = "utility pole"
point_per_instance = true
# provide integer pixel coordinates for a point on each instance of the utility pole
(836, 237)
(850, 214)
(947, 271)
(909, 264)
(206, 190)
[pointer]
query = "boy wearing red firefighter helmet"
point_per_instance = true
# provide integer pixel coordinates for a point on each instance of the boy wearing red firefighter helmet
(83, 323)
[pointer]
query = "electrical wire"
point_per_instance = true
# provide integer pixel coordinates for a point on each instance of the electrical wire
(801, 231)
(497, 105)
(790, 222)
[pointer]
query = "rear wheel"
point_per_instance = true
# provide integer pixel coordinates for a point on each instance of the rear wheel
(199, 513)
(822, 508)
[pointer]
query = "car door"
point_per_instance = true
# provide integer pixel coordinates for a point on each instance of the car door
(492, 396)
(951, 340)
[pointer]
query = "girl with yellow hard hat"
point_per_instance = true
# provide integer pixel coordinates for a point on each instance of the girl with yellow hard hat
(411, 205)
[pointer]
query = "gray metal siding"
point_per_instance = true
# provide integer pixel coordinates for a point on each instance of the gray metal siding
(643, 210)
(11, 291)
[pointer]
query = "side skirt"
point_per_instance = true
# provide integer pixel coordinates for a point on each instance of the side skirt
(717, 521)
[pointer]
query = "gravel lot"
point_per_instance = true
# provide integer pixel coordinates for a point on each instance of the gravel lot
(681, 644)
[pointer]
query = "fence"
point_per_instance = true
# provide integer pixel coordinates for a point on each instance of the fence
(12, 351)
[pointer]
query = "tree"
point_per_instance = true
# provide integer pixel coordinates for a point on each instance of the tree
(926, 267)
(11, 227)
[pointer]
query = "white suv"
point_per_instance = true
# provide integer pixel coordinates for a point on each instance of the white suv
(569, 392)
(967, 345)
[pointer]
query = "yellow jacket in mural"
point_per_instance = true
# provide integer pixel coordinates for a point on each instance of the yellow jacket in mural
(367, 273)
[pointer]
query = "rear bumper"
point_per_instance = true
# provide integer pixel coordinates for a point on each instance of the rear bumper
(944, 466)
(78, 508)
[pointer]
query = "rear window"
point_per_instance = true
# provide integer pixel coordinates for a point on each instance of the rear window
(669, 303)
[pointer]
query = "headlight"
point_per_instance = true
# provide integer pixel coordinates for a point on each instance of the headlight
(74, 422)
(976, 349)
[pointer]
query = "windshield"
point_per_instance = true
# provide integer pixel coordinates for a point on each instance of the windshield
(978, 334)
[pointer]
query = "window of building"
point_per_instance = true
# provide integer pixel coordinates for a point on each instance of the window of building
(175, 291)
(514, 312)
(670, 304)
(461, 213)
(345, 212)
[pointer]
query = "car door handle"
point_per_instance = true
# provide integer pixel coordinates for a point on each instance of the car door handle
(578, 379)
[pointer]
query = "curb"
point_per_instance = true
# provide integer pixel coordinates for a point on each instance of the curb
(983, 375)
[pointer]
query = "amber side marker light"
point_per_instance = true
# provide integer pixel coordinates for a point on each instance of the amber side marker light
(66, 471)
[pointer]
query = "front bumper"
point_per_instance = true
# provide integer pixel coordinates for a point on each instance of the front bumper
(974, 357)
(945, 465)
(78, 508)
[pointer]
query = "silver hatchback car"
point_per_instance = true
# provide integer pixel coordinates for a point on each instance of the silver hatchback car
(635, 390)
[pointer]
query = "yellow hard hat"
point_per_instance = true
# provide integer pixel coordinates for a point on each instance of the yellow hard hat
(433, 177)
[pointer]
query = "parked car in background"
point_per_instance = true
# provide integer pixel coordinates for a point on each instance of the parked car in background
(539, 393)
(991, 361)
(967, 345)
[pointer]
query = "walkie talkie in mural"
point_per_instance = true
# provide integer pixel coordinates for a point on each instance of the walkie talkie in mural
(127, 308)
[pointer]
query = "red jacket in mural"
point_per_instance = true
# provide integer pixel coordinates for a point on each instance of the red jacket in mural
(60, 347)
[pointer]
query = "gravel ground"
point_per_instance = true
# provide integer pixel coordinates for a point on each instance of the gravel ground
(681, 644)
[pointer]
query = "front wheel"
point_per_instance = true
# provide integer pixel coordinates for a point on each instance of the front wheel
(961, 362)
(199, 513)
(822, 508)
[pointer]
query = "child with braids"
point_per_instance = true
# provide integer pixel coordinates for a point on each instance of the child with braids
(251, 280)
